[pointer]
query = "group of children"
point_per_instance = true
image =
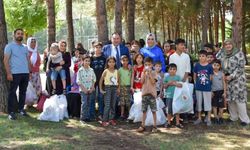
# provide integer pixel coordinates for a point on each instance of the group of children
(97, 75)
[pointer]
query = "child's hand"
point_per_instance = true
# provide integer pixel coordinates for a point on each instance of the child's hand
(212, 94)
(47, 70)
(103, 92)
(118, 91)
(132, 90)
(224, 95)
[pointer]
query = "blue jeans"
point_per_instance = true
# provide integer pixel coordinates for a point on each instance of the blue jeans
(85, 108)
(110, 99)
(55, 73)
(21, 81)
(100, 102)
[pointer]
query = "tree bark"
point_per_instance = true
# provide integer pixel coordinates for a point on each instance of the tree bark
(3, 42)
(223, 18)
(131, 20)
(118, 16)
(216, 20)
(69, 19)
(205, 19)
(237, 22)
(51, 20)
(102, 23)
(163, 21)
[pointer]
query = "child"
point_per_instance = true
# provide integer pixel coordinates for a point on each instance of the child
(210, 57)
(170, 82)
(159, 74)
(219, 91)
(98, 64)
(125, 74)
(203, 77)
(86, 80)
(149, 94)
(136, 84)
(110, 77)
(55, 56)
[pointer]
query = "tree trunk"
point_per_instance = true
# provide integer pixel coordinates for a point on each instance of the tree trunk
(244, 49)
(69, 18)
(216, 20)
(3, 42)
(211, 36)
(223, 17)
(118, 16)
(163, 21)
(125, 13)
(177, 29)
(51, 20)
(169, 30)
(237, 22)
(205, 19)
(101, 19)
(131, 20)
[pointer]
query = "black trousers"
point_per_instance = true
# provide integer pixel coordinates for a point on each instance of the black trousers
(21, 81)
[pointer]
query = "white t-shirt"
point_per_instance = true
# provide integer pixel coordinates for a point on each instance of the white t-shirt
(183, 63)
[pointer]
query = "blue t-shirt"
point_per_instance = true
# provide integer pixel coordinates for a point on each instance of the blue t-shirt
(18, 61)
(169, 92)
(203, 73)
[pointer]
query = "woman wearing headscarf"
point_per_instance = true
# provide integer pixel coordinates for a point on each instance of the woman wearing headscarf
(152, 50)
(35, 60)
(233, 62)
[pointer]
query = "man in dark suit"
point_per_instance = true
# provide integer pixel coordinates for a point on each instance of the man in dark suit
(116, 49)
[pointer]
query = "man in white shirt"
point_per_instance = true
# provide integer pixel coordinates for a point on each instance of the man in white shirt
(181, 59)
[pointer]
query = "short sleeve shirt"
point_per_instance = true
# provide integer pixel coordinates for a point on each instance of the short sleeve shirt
(125, 76)
(18, 61)
(169, 92)
(203, 73)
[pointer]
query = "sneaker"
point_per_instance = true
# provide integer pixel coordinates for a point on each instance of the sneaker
(154, 130)
(141, 129)
(23, 113)
(221, 121)
(105, 124)
(243, 124)
(99, 118)
(12, 116)
(205, 120)
(198, 121)
(113, 122)
(53, 92)
(122, 118)
(82, 122)
(180, 126)
(209, 123)
(167, 125)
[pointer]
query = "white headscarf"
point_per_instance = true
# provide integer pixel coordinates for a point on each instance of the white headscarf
(152, 35)
(33, 57)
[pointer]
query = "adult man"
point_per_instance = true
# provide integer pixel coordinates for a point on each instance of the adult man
(17, 65)
(116, 49)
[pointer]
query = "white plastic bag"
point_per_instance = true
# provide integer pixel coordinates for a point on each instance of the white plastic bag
(62, 104)
(31, 96)
(50, 110)
(160, 116)
(183, 99)
(135, 112)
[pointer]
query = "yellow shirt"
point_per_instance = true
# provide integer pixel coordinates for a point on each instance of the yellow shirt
(111, 78)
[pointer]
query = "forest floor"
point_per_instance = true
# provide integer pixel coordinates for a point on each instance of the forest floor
(29, 133)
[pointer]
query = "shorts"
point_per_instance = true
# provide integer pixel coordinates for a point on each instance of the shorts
(148, 100)
(125, 96)
(205, 97)
(55, 73)
(217, 100)
(169, 102)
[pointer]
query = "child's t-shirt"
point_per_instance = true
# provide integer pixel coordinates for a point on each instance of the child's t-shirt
(203, 74)
(111, 78)
(86, 77)
(159, 82)
(217, 81)
(148, 87)
(98, 64)
(125, 76)
(169, 91)
(137, 77)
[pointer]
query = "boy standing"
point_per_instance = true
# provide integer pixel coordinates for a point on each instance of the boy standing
(149, 94)
(170, 82)
(125, 81)
(98, 64)
(203, 72)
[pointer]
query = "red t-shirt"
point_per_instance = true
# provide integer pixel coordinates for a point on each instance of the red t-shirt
(137, 77)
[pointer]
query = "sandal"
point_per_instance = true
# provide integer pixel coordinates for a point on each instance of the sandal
(141, 129)
(154, 130)
(180, 126)
(53, 92)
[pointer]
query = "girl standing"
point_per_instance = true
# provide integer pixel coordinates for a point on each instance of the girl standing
(112, 89)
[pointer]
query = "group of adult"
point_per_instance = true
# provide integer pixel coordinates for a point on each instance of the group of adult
(22, 64)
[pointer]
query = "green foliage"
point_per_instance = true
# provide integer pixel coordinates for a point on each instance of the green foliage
(27, 14)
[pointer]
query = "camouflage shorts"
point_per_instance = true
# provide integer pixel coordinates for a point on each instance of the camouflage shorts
(148, 100)
(125, 96)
